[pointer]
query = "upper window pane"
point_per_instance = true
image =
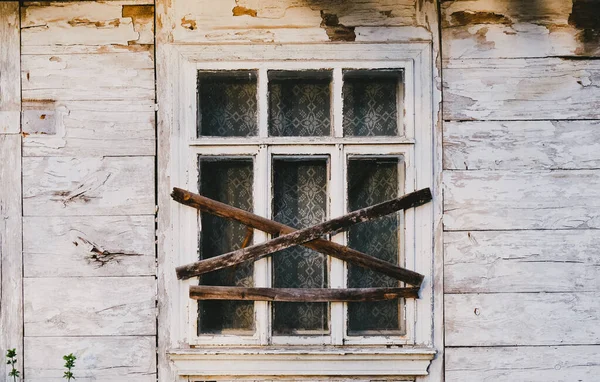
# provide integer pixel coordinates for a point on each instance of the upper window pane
(372, 100)
(299, 103)
(227, 103)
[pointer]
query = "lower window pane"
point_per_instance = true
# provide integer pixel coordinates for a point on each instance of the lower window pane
(299, 200)
(228, 181)
(372, 181)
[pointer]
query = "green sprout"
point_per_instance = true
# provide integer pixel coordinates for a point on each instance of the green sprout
(69, 364)
(11, 359)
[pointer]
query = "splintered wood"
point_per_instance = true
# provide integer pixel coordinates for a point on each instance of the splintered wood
(309, 237)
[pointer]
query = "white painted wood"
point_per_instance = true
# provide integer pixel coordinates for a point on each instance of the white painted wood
(10, 62)
(521, 89)
(88, 128)
(84, 246)
(88, 77)
(88, 186)
(532, 364)
(502, 28)
(83, 306)
(110, 359)
(488, 200)
(522, 261)
(522, 145)
(11, 266)
(88, 23)
(509, 319)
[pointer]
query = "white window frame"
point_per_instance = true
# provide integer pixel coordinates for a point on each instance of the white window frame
(197, 355)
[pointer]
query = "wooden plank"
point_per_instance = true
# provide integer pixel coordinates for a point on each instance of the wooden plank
(110, 359)
(88, 186)
(521, 89)
(204, 292)
(522, 261)
(10, 62)
(80, 306)
(88, 23)
(11, 262)
(266, 225)
(522, 145)
(512, 29)
(88, 77)
(88, 128)
(507, 319)
(332, 226)
(532, 364)
(493, 200)
(83, 246)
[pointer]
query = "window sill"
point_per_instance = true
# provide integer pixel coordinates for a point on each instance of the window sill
(304, 361)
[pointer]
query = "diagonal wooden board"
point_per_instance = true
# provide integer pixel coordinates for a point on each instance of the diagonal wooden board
(295, 237)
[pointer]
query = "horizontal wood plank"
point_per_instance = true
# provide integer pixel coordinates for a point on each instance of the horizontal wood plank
(88, 186)
(521, 89)
(522, 261)
(270, 226)
(521, 145)
(107, 359)
(204, 292)
(493, 200)
(83, 246)
(88, 128)
(102, 306)
(88, 77)
(10, 62)
(88, 23)
(508, 28)
(532, 364)
(507, 319)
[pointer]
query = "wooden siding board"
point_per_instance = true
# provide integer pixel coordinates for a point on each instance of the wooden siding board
(511, 319)
(77, 246)
(522, 261)
(532, 364)
(521, 89)
(10, 86)
(107, 359)
(507, 200)
(83, 306)
(88, 186)
(522, 145)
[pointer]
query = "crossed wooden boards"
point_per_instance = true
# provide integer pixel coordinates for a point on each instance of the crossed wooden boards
(308, 237)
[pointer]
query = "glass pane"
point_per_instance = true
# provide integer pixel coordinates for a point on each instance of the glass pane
(299, 200)
(371, 100)
(228, 181)
(299, 103)
(227, 104)
(372, 181)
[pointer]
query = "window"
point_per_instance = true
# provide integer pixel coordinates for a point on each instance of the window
(301, 135)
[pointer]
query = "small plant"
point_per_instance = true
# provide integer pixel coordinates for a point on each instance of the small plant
(69, 364)
(11, 359)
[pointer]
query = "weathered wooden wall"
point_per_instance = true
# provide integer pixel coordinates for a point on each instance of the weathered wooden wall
(88, 178)
(521, 177)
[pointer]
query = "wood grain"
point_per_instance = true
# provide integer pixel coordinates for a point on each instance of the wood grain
(324, 246)
(61, 186)
(203, 292)
(102, 306)
(110, 359)
(522, 261)
(10, 62)
(507, 200)
(75, 246)
(520, 319)
(335, 225)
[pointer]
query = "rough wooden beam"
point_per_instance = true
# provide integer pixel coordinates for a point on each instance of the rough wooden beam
(205, 292)
(332, 226)
(10, 68)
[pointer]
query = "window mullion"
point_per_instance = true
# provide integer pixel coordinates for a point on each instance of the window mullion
(262, 274)
(337, 102)
(337, 274)
(263, 102)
